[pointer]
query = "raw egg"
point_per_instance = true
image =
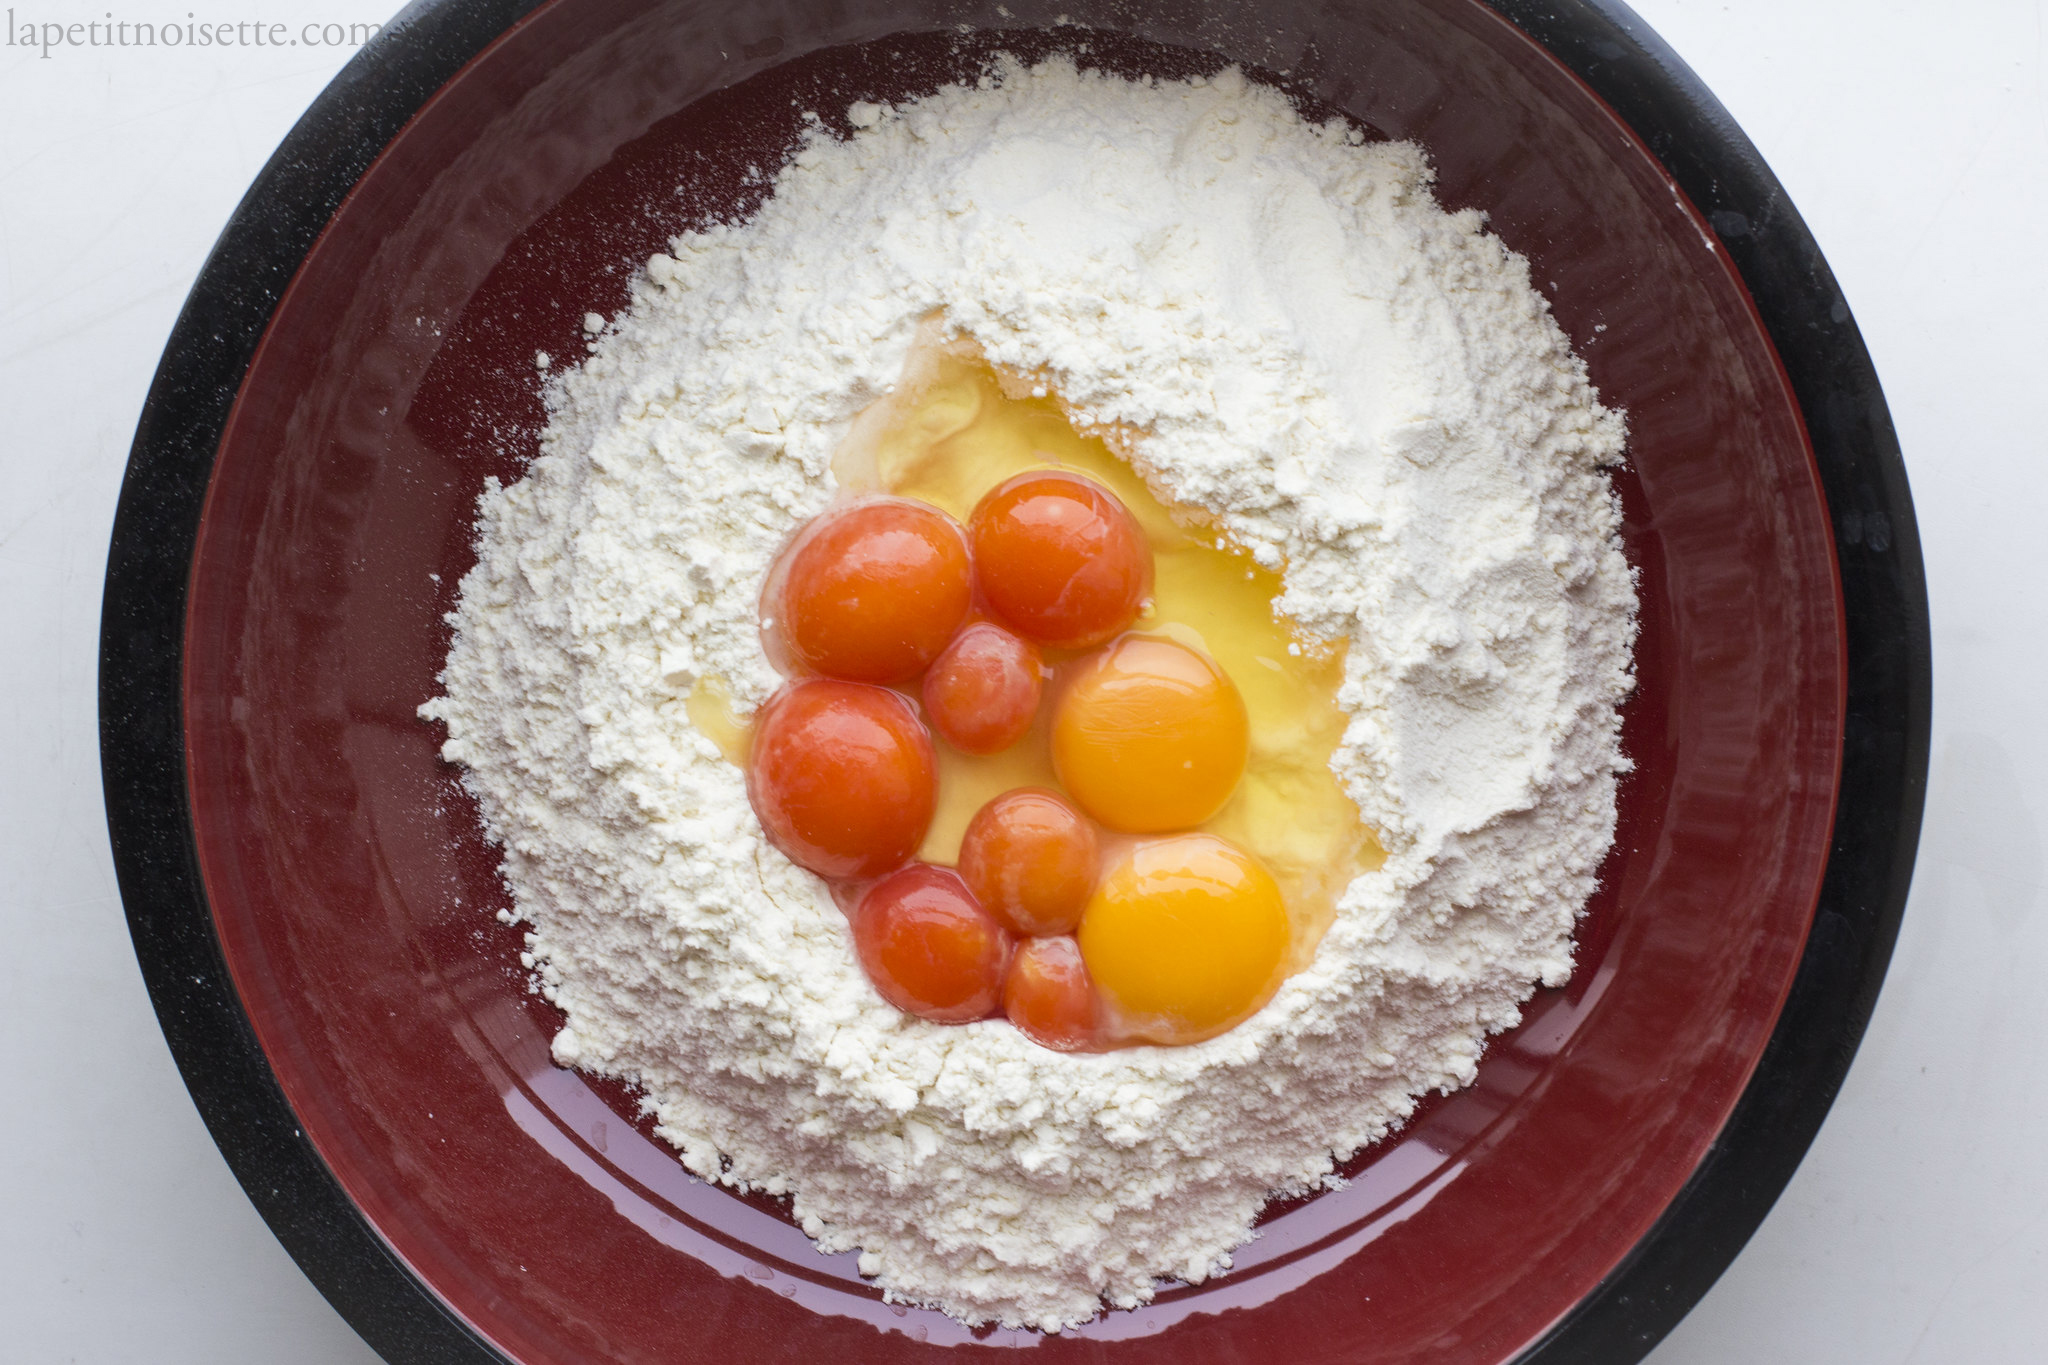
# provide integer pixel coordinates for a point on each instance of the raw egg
(1185, 937)
(1060, 559)
(842, 777)
(982, 692)
(1129, 753)
(929, 948)
(871, 593)
(1149, 735)
(1048, 996)
(1030, 858)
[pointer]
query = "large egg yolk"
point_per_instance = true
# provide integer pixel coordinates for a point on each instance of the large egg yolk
(873, 592)
(1060, 558)
(1185, 937)
(1149, 736)
(842, 777)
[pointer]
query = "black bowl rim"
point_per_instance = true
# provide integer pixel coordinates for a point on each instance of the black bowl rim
(1885, 737)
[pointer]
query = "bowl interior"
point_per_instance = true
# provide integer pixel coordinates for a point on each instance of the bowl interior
(355, 896)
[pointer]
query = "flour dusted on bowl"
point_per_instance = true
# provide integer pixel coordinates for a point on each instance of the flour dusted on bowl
(1359, 388)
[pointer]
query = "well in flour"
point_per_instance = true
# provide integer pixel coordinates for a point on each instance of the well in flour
(1363, 391)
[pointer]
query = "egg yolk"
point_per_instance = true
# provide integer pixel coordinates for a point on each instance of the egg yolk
(1185, 937)
(1149, 735)
(872, 593)
(1049, 997)
(1029, 858)
(1060, 558)
(929, 948)
(842, 777)
(982, 693)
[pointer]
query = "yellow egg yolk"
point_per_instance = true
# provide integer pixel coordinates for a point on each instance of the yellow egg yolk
(1149, 736)
(1184, 937)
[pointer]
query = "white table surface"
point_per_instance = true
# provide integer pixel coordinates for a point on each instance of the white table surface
(1914, 139)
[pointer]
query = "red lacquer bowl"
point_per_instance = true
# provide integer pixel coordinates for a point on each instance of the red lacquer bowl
(314, 903)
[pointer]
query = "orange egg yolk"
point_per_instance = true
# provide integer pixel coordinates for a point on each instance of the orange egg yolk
(1184, 937)
(841, 777)
(982, 692)
(929, 948)
(870, 593)
(1149, 736)
(1059, 558)
(1048, 995)
(1030, 859)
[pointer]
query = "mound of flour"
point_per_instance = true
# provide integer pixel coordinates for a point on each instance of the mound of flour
(1363, 388)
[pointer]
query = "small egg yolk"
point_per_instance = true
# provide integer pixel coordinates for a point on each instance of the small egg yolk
(982, 692)
(842, 777)
(1029, 858)
(1048, 996)
(1149, 736)
(1185, 937)
(1060, 558)
(873, 592)
(929, 948)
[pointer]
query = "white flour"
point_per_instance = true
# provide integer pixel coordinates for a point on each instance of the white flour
(1363, 387)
